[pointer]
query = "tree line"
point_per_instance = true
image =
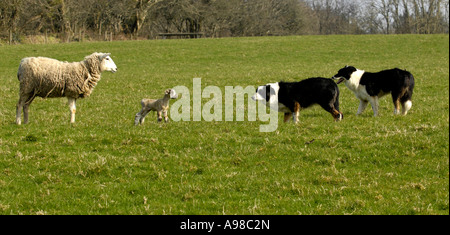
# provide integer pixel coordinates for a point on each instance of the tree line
(78, 20)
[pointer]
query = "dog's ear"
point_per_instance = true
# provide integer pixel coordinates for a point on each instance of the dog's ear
(272, 91)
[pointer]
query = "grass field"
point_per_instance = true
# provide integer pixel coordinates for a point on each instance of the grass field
(104, 165)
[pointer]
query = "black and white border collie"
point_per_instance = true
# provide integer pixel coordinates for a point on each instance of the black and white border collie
(369, 87)
(291, 97)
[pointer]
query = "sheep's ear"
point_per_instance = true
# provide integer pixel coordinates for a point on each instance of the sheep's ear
(104, 55)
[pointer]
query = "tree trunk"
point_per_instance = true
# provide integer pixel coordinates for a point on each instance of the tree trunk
(10, 36)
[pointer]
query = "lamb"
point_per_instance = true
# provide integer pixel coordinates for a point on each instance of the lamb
(50, 78)
(161, 106)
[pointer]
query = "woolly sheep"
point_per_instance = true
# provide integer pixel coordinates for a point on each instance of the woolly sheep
(50, 78)
(160, 106)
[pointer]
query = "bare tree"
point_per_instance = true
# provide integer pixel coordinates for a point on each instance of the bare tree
(10, 11)
(141, 11)
(410, 16)
(337, 16)
(78, 20)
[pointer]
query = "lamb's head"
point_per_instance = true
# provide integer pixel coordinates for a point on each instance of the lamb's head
(106, 63)
(171, 94)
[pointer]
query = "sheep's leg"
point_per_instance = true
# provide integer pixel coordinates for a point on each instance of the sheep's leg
(26, 106)
(19, 111)
(24, 103)
(73, 108)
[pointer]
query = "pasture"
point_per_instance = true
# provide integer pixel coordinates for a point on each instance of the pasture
(103, 164)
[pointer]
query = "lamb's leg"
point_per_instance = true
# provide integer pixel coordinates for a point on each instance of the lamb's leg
(159, 113)
(137, 118)
(140, 117)
(142, 114)
(166, 118)
(73, 108)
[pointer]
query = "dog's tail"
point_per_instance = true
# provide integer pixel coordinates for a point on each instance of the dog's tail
(336, 98)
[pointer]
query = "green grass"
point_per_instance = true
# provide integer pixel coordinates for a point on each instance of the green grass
(104, 165)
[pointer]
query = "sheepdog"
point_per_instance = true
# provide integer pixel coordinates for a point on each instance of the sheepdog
(291, 97)
(369, 87)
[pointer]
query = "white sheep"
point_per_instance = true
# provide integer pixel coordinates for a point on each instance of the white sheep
(161, 106)
(49, 78)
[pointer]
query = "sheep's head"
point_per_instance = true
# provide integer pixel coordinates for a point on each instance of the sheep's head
(106, 63)
(171, 93)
